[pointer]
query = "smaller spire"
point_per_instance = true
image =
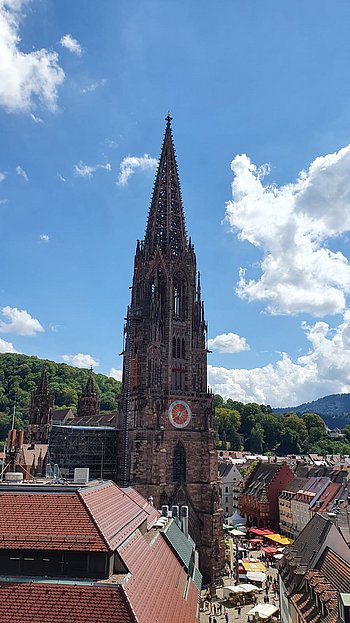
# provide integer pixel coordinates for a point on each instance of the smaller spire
(44, 382)
(90, 385)
(168, 119)
(199, 286)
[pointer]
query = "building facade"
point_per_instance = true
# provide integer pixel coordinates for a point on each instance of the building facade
(259, 501)
(168, 434)
(231, 481)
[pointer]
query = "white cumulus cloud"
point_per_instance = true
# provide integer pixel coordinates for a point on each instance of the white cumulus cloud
(26, 78)
(19, 321)
(81, 361)
(291, 225)
(325, 369)
(2, 176)
(44, 237)
(116, 374)
(228, 343)
(130, 164)
(87, 170)
(71, 44)
(6, 347)
(21, 172)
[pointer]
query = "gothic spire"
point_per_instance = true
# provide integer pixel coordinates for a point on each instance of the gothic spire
(166, 228)
(90, 385)
(43, 383)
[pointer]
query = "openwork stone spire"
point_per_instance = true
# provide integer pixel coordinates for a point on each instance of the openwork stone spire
(89, 401)
(43, 383)
(166, 228)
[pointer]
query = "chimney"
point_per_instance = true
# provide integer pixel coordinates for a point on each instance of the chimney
(184, 516)
(175, 513)
(165, 510)
(20, 439)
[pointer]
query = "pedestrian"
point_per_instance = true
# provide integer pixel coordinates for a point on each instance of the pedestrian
(239, 612)
(214, 620)
(226, 617)
(210, 619)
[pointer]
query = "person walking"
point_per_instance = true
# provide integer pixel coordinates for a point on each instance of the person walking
(239, 610)
(226, 617)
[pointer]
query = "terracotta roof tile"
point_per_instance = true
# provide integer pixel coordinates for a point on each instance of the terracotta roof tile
(158, 587)
(152, 512)
(47, 521)
(114, 511)
(25, 602)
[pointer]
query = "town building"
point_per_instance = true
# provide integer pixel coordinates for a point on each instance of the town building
(259, 501)
(168, 439)
(231, 481)
(93, 553)
(313, 573)
(304, 502)
(285, 505)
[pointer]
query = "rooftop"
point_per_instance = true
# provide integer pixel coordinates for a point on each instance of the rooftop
(26, 601)
(96, 517)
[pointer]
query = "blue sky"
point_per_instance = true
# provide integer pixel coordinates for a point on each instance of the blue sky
(84, 89)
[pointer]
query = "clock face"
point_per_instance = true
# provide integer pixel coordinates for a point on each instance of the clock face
(179, 413)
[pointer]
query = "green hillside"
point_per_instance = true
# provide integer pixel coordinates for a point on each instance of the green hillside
(20, 374)
(334, 409)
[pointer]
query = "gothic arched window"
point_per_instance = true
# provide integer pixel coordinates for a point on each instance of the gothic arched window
(174, 346)
(179, 463)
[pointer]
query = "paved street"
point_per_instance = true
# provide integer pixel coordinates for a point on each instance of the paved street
(232, 610)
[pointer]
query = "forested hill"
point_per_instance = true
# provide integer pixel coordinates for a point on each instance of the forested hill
(334, 409)
(20, 374)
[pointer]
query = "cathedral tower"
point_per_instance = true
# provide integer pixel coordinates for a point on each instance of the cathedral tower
(40, 412)
(169, 442)
(89, 401)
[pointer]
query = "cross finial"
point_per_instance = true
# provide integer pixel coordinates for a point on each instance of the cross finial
(168, 118)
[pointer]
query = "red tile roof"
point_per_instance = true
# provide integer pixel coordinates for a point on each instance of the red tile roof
(95, 518)
(157, 587)
(25, 602)
(47, 521)
(153, 513)
(115, 513)
(326, 497)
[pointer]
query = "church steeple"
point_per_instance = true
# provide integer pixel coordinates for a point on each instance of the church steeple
(168, 441)
(40, 411)
(89, 401)
(166, 227)
(43, 383)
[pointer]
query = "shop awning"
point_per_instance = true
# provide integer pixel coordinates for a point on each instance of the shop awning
(253, 566)
(256, 576)
(235, 532)
(269, 550)
(277, 538)
(263, 611)
(256, 540)
(260, 531)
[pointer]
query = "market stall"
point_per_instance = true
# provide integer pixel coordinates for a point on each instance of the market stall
(262, 612)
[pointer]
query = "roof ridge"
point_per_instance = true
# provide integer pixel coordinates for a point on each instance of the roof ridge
(81, 497)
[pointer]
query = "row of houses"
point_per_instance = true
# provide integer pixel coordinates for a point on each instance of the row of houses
(283, 496)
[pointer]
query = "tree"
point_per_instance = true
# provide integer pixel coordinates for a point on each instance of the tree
(257, 439)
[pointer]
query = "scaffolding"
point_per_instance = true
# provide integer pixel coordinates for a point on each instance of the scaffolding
(94, 447)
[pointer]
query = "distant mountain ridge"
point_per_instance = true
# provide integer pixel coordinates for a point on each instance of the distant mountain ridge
(334, 409)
